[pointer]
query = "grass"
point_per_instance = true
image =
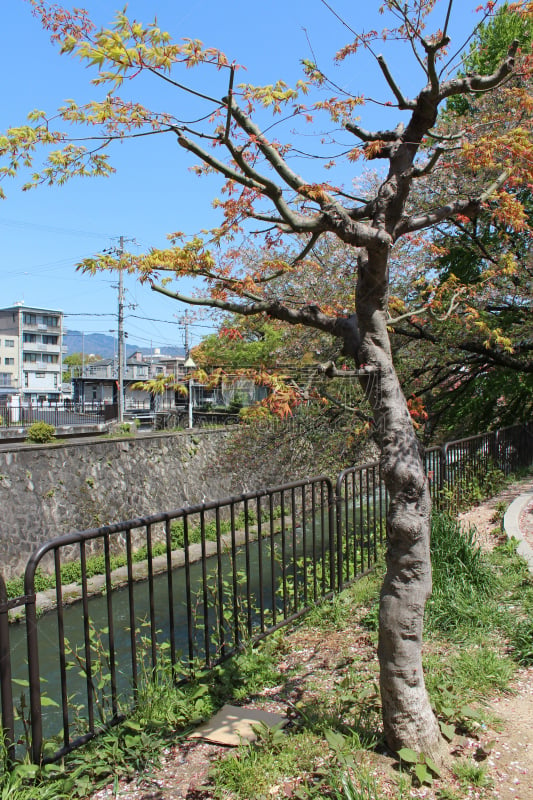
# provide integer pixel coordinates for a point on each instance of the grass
(71, 572)
(478, 629)
(471, 774)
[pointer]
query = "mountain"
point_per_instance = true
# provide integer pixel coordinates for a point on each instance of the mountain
(105, 346)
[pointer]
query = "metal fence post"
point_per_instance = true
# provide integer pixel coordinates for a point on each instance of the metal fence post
(338, 549)
(8, 723)
(443, 454)
(33, 662)
(332, 532)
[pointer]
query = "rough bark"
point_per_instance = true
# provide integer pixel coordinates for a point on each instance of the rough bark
(408, 719)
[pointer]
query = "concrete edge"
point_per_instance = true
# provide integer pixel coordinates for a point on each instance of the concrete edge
(512, 528)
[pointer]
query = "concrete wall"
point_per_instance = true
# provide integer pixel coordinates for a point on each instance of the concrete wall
(50, 490)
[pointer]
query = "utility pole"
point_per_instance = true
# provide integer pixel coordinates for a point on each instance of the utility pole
(186, 319)
(121, 336)
(189, 366)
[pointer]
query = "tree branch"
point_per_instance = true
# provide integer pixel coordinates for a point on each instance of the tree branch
(309, 315)
(417, 222)
(481, 83)
(403, 104)
(376, 136)
(297, 222)
(489, 356)
(271, 154)
(419, 173)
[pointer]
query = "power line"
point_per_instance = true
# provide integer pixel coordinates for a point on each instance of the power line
(171, 322)
(14, 223)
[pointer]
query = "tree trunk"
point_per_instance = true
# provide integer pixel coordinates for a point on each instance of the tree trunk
(407, 715)
(408, 719)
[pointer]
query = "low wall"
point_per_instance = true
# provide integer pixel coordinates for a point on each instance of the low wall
(46, 491)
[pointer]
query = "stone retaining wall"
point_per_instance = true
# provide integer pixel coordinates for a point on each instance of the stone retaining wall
(47, 491)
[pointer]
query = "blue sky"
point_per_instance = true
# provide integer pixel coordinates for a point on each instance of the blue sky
(45, 232)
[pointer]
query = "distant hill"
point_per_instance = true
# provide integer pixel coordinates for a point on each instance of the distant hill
(105, 346)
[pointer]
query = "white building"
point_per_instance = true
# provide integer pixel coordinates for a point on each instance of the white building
(31, 342)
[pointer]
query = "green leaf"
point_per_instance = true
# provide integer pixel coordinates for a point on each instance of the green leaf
(433, 767)
(27, 770)
(423, 774)
(408, 755)
(470, 713)
(131, 725)
(335, 740)
(47, 702)
(448, 731)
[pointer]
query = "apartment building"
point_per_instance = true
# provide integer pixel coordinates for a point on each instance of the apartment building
(31, 353)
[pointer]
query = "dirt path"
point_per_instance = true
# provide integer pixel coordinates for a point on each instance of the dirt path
(511, 757)
(184, 767)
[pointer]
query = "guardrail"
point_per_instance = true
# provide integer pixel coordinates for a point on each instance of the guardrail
(188, 587)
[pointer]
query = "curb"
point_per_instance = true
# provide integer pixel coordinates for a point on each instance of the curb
(512, 528)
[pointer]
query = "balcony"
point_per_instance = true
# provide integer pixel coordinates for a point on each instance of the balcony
(39, 347)
(40, 366)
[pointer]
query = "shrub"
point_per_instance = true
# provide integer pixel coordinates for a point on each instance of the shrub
(41, 432)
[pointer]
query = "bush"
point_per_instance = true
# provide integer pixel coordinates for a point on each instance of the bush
(41, 433)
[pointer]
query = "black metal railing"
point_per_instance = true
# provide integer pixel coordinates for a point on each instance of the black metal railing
(6, 689)
(188, 587)
(360, 514)
(69, 414)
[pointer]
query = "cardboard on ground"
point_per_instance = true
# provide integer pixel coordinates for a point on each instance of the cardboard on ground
(232, 725)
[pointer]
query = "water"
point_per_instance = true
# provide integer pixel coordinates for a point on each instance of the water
(205, 592)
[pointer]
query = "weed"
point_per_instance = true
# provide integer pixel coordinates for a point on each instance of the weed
(472, 485)
(445, 793)
(499, 512)
(463, 581)
(469, 773)
(521, 641)
(347, 786)
(422, 768)
(286, 761)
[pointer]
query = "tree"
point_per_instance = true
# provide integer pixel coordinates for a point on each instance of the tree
(265, 195)
(473, 368)
(74, 363)
(237, 346)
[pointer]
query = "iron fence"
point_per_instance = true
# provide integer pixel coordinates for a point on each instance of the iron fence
(188, 587)
(70, 414)
(360, 513)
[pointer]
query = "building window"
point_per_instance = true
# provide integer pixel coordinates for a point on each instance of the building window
(40, 375)
(9, 343)
(9, 362)
(26, 378)
(29, 338)
(29, 319)
(41, 358)
(51, 322)
(5, 379)
(49, 339)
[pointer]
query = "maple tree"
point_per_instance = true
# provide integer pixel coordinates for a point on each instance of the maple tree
(473, 367)
(264, 194)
